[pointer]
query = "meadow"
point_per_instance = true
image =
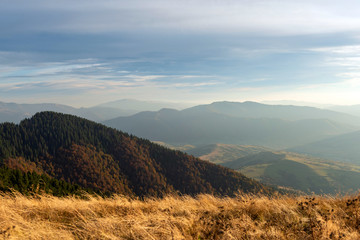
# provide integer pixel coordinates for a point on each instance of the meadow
(179, 217)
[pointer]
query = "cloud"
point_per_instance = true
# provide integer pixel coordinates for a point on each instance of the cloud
(347, 59)
(192, 49)
(87, 75)
(230, 16)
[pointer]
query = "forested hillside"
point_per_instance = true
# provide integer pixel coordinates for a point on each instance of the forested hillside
(93, 156)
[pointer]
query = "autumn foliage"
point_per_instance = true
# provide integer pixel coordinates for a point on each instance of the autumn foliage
(81, 152)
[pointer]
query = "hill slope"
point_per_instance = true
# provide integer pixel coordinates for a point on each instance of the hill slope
(92, 155)
(300, 172)
(221, 153)
(344, 148)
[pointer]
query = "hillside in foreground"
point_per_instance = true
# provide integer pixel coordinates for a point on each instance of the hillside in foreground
(174, 217)
(88, 154)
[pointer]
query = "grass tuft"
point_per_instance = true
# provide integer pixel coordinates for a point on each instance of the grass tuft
(179, 217)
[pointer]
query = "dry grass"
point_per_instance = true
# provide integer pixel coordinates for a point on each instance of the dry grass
(174, 217)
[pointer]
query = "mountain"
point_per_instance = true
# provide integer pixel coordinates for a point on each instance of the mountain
(135, 106)
(221, 153)
(91, 155)
(352, 109)
(285, 112)
(299, 172)
(297, 103)
(199, 126)
(342, 148)
(13, 112)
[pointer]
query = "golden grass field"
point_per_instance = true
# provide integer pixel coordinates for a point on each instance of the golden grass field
(179, 217)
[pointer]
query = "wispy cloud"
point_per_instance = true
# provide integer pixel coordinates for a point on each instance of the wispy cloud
(347, 58)
(89, 75)
(270, 16)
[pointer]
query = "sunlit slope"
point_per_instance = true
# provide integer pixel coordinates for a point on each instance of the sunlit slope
(300, 172)
(221, 153)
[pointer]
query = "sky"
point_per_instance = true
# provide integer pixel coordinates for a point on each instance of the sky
(86, 52)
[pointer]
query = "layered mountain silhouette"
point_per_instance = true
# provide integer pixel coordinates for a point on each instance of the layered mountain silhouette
(350, 109)
(285, 112)
(86, 153)
(237, 123)
(13, 112)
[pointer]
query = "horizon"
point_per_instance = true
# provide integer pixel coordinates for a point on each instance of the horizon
(86, 53)
(187, 104)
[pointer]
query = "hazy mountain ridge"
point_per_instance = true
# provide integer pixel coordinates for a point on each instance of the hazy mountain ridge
(352, 109)
(139, 106)
(92, 155)
(286, 112)
(200, 126)
(14, 112)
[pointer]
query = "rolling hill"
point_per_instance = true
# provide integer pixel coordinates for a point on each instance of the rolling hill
(91, 155)
(198, 127)
(221, 153)
(299, 172)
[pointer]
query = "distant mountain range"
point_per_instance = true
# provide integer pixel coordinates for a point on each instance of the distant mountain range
(13, 112)
(135, 106)
(352, 109)
(246, 123)
(284, 112)
(88, 154)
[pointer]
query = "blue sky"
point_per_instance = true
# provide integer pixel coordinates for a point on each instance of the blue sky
(83, 53)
